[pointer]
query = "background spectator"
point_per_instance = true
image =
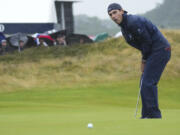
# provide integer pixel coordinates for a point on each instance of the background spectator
(42, 42)
(21, 45)
(4, 47)
(61, 40)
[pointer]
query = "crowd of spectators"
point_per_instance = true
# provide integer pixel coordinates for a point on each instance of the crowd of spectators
(19, 41)
(6, 46)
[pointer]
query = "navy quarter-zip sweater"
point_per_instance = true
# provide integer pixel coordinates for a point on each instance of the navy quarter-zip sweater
(142, 34)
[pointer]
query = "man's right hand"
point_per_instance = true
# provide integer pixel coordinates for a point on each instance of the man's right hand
(143, 64)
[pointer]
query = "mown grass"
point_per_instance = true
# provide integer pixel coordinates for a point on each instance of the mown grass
(122, 94)
(110, 107)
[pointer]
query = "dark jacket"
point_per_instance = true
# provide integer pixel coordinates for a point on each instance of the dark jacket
(142, 34)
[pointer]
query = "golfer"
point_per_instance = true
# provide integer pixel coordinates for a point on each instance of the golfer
(141, 34)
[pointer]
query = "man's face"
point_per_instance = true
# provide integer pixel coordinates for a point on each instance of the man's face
(41, 41)
(116, 15)
(4, 43)
(21, 43)
(61, 39)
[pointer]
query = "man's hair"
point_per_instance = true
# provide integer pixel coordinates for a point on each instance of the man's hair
(115, 6)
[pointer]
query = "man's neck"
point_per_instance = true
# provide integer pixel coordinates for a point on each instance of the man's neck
(123, 20)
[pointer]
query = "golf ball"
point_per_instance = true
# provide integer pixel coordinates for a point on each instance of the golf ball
(90, 125)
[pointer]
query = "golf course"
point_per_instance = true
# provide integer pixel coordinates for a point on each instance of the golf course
(59, 90)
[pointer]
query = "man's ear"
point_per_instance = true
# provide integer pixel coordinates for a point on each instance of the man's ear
(122, 11)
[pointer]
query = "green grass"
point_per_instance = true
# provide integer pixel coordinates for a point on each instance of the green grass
(58, 91)
(106, 121)
(66, 111)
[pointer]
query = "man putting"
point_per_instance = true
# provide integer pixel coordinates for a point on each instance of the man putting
(141, 34)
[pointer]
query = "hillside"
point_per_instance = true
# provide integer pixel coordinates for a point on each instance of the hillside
(109, 61)
(95, 25)
(166, 15)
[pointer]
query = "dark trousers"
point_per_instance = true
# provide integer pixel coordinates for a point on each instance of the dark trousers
(154, 67)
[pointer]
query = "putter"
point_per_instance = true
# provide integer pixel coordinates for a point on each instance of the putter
(139, 94)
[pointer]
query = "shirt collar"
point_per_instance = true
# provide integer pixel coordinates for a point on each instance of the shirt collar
(123, 23)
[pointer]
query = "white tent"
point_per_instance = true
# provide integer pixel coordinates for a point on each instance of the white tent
(28, 11)
(119, 34)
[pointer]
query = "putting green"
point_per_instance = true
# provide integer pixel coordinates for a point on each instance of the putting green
(53, 111)
(58, 120)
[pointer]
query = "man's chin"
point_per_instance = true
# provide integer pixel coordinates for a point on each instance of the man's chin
(117, 22)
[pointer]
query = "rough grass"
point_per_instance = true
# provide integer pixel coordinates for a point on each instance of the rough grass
(109, 61)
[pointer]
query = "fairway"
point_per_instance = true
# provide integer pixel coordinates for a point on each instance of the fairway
(67, 111)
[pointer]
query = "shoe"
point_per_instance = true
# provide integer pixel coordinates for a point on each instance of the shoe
(144, 118)
(150, 118)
